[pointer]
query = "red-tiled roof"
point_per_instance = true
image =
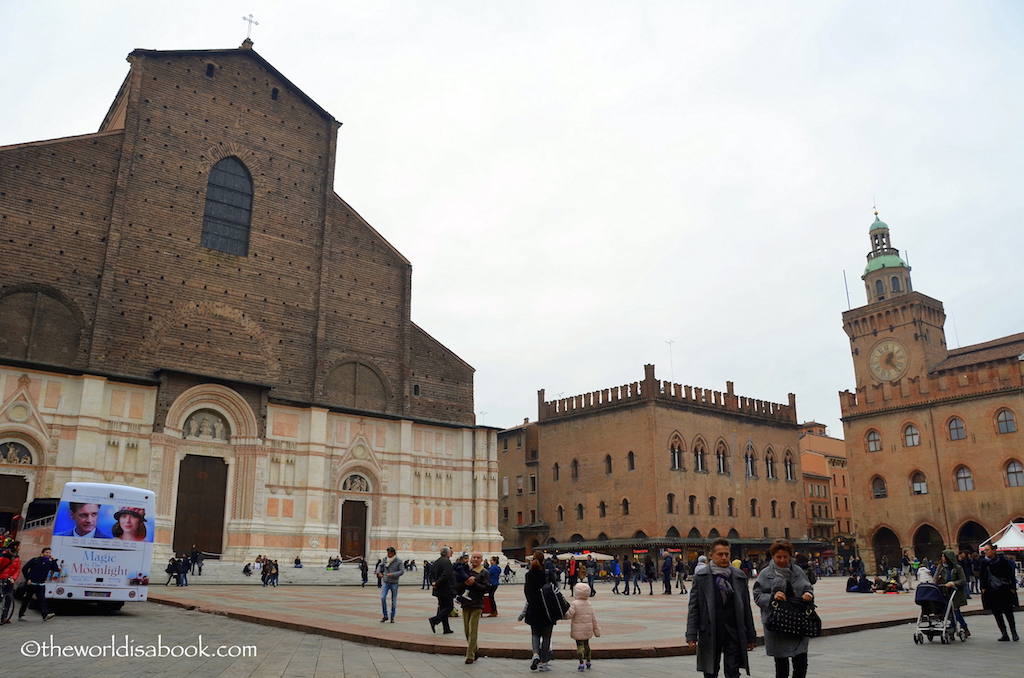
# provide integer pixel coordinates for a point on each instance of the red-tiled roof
(997, 349)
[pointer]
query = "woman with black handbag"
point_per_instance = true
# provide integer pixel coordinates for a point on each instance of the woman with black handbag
(782, 582)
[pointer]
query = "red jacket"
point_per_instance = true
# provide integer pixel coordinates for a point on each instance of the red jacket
(12, 568)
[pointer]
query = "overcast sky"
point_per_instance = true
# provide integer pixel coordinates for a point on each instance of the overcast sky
(577, 183)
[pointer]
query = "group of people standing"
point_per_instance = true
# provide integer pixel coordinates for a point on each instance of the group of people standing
(180, 567)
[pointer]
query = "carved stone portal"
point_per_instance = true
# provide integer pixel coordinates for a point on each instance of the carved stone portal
(206, 425)
(14, 453)
(355, 483)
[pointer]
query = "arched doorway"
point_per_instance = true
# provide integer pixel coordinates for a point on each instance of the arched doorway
(928, 543)
(885, 543)
(353, 517)
(694, 533)
(971, 535)
(13, 495)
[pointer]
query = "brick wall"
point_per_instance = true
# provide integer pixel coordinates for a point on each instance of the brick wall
(111, 224)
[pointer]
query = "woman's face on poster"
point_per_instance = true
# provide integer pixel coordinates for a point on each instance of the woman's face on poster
(129, 522)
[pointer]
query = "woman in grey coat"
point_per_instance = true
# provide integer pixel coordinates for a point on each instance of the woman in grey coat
(773, 583)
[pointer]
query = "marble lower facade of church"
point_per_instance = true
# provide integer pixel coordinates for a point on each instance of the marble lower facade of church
(316, 483)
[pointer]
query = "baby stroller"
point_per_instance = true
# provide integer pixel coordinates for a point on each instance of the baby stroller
(936, 617)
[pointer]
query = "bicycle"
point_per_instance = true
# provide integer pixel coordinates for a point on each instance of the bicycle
(7, 600)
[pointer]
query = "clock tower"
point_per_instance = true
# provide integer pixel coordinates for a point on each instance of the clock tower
(899, 333)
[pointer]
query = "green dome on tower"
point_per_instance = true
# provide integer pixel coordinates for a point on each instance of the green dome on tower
(885, 261)
(878, 224)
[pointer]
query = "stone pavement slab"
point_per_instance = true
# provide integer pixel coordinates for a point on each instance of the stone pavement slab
(634, 626)
(282, 653)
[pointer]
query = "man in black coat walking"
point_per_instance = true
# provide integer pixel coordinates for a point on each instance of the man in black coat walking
(998, 589)
(36, 572)
(443, 589)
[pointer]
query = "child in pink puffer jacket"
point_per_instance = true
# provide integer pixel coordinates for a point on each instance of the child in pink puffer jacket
(584, 623)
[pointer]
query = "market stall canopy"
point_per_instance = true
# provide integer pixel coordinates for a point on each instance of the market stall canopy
(1010, 538)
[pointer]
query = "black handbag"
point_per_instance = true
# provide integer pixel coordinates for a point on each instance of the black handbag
(793, 617)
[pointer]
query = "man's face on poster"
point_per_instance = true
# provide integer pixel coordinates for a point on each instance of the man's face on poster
(85, 518)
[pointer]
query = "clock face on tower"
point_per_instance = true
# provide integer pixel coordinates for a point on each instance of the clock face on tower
(888, 360)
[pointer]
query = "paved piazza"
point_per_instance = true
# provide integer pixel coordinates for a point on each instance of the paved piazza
(647, 621)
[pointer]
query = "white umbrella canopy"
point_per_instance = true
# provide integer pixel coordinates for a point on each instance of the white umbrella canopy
(1010, 538)
(583, 556)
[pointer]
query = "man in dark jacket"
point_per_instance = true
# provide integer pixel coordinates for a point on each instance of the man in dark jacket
(186, 565)
(666, 575)
(998, 589)
(36, 571)
(627, 573)
(444, 590)
(719, 621)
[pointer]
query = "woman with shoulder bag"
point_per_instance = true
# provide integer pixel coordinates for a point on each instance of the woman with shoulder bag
(781, 580)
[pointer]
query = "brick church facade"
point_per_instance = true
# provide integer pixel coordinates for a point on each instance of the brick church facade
(933, 435)
(188, 306)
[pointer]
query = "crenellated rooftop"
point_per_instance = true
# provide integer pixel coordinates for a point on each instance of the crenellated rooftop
(652, 389)
(952, 380)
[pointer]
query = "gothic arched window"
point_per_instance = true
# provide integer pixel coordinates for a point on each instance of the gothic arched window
(956, 429)
(1015, 474)
(874, 441)
(878, 489)
(1006, 422)
(722, 458)
(699, 457)
(228, 210)
(964, 479)
(676, 454)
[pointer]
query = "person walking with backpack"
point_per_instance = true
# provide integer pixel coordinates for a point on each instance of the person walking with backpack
(584, 623)
(535, 613)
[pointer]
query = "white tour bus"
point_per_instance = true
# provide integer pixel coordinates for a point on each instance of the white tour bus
(103, 543)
